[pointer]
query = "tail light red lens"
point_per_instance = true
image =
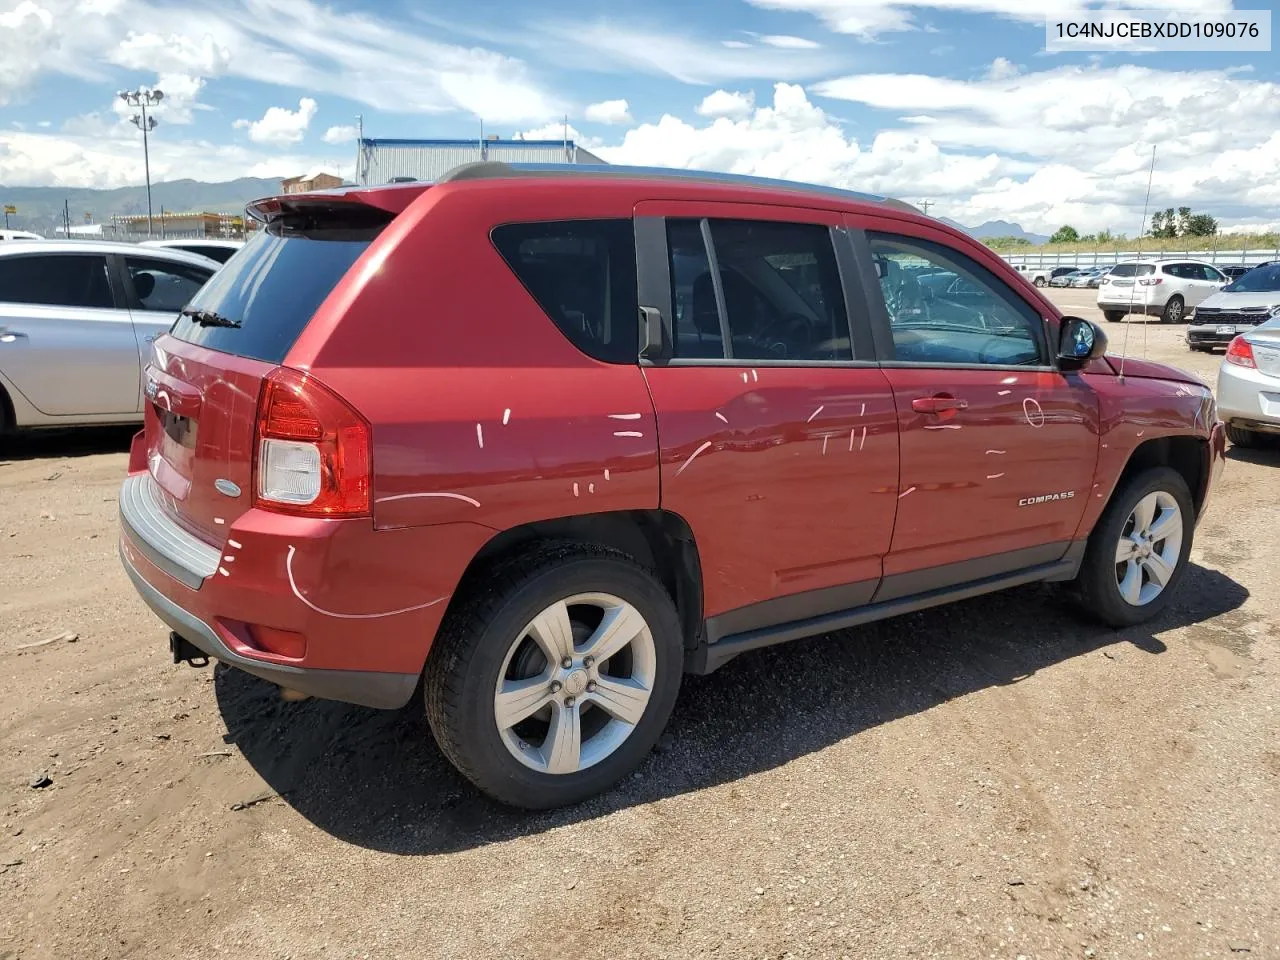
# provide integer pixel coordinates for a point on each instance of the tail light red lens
(312, 450)
(1241, 354)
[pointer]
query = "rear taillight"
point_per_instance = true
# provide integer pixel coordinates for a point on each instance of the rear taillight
(1153, 281)
(312, 450)
(1241, 353)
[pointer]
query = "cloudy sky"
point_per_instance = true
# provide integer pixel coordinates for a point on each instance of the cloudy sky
(953, 101)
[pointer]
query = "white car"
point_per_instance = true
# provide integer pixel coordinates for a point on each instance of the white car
(1249, 385)
(77, 318)
(1168, 289)
(19, 235)
(212, 247)
(1037, 275)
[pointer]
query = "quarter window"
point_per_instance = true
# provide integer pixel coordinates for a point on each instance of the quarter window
(61, 279)
(164, 286)
(778, 295)
(945, 308)
(582, 273)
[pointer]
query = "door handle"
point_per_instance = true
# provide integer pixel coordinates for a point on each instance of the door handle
(939, 404)
(8, 336)
(151, 337)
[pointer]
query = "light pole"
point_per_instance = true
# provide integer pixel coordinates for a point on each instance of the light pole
(142, 99)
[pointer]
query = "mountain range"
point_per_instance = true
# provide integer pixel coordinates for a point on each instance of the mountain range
(40, 208)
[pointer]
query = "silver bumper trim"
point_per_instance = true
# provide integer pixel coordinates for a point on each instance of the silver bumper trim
(180, 554)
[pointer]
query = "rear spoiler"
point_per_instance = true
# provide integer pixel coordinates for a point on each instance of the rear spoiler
(366, 204)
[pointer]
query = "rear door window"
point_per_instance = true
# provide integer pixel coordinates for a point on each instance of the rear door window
(582, 273)
(56, 279)
(271, 291)
(780, 287)
(163, 285)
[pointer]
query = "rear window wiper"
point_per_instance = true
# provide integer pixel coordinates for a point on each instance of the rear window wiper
(207, 318)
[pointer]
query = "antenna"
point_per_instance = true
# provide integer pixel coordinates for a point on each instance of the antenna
(1124, 353)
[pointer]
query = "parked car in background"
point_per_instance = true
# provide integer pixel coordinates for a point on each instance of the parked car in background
(211, 247)
(77, 318)
(1039, 276)
(1064, 279)
(1091, 278)
(618, 424)
(18, 235)
(1234, 270)
(1168, 289)
(1239, 307)
(1249, 385)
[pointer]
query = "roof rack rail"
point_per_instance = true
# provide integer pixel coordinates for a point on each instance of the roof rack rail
(496, 170)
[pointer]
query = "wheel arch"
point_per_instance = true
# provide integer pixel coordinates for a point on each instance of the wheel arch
(8, 419)
(658, 539)
(1188, 455)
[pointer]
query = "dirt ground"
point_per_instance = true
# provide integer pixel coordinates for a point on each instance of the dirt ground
(994, 779)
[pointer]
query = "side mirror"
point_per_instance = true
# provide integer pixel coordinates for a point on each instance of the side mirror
(1079, 341)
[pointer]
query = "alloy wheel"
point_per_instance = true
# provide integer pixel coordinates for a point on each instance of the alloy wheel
(575, 683)
(1149, 549)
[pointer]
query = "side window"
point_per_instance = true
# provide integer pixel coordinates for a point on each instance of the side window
(1183, 271)
(1211, 273)
(945, 308)
(582, 273)
(163, 285)
(56, 279)
(779, 285)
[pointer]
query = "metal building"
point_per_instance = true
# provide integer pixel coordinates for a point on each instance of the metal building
(383, 161)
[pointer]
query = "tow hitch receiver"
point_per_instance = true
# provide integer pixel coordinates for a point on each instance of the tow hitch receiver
(184, 651)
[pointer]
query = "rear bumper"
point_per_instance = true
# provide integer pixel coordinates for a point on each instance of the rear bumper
(1248, 398)
(359, 607)
(1148, 309)
(388, 691)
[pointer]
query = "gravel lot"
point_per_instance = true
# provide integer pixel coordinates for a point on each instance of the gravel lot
(995, 779)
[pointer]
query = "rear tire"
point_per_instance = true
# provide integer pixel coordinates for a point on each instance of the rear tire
(490, 666)
(1122, 591)
(1243, 437)
(1175, 311)
(1039, 281)
(1113, 316)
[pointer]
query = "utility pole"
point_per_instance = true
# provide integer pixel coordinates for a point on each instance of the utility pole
(142, 99)
(359, 146)
(66, 219)
(926, 204)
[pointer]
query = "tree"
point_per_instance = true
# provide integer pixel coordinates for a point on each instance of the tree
(1066, 234)
(1104, 236)
(1201, 225)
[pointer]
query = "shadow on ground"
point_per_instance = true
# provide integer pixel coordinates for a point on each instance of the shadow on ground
(79, 442)
(376, 779)
(1266, 454)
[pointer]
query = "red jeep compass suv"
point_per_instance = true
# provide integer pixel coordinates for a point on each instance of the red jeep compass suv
(543, 438)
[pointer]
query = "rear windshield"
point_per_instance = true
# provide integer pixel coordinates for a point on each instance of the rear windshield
(1133, 270)
(272, 288)
(1264, 279)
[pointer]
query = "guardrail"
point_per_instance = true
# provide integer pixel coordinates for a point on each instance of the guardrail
(1099, 258)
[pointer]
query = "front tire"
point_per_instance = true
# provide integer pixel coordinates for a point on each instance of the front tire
(1137, 553)
(555, 675)
(1174, 311)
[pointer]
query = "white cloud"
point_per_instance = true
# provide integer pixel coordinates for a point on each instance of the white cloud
(608, 111)
(785, 42)
(27, 35)
(280, 125)
(609, 47)
(93, 160)
(1002, 69)
(174, 53)
(386, 63)
(870, 18)
(724, 103)
(340, 134)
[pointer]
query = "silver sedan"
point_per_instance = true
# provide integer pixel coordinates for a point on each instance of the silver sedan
(77, 318)
(1249, 385)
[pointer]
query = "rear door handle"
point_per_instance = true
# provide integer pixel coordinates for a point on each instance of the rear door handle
(8, 336)
(938, 404)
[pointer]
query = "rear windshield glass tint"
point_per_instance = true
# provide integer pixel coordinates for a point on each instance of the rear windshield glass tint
(272, 288)
(1132, 270)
